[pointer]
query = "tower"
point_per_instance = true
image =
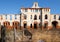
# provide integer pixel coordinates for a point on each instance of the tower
(35, 5)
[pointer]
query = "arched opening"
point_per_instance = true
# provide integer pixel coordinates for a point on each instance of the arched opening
(45, 24)
(39, 25)
(15, 24)
(35, 25)
(24, 24)
(54, 23)
(59, 17)
(46, 17)
(25, 17)
(6, 23)
(35, 17)
(30, 25)
(39, 17)
(31, 17)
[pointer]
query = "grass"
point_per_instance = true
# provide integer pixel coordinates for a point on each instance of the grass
(47, 35)
(37, 34)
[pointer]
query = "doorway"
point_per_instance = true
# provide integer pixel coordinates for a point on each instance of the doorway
(25, 25)
(54, 23)
(35, 26)
(45, 25)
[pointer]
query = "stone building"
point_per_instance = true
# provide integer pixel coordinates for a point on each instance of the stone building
(10, 20)
(36, 16)
(33, 17)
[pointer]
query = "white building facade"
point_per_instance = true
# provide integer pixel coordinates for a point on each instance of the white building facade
(34, 17)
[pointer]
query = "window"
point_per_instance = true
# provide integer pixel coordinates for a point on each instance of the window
(1, 17)
(48, 9)
(25, 25)
(10, 17)
(13, 23)
(31, 25)
(40, 11)
(15, 16)
(4, 23)
(25, 16)
(31, 10)
(35, 5)
(54, 16)
(6, 16)
(31, 16)
(46, 16)
(35, 17)
(8, 23)
(39, 16)
(59, 17)
(36, 10)
(26, 10)
(35, 26)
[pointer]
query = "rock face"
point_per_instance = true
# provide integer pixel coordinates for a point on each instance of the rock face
(12, 36)
(17, 36)
(37, 35)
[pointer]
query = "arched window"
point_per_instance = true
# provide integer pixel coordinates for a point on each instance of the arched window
(13, 23)
(35, 17)
(54, 16)
(8, 23)
(39, 17)
(46, 17)
(35, 26)
(1, 17)
(59, 17)
(31, 17)
(45, 25)
(36, 10)
(31, 25)
(26, 10)
(25, 16)
(25, 25)
(35, 5)
(6, 16)
(15, 16)
(10, 17)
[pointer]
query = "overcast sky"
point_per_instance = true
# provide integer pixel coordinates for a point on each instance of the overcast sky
(13, 6)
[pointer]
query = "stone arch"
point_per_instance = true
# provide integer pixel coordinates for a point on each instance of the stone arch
(31, 25)
(45, 24)
(39, 16)
(54, 23)
(35, 25)
(25, 24)
(46, 17)
(6, 23)
(35, 17)
(40, 25)
(15, 24)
